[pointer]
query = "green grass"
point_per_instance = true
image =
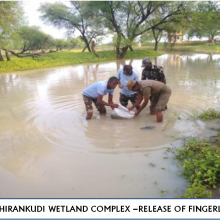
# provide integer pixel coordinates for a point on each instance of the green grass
(68, 58)
(201, 163)
(209, 114)
(193, 46)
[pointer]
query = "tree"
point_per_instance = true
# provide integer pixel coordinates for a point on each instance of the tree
(32, 39)
(29, 41)
(174, 24)
(131, 19)
(77, 16)
(206, 21)
(10, 18)
(74, 42)
(60, 44)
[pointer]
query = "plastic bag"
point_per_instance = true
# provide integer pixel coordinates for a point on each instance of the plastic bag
(122, 112)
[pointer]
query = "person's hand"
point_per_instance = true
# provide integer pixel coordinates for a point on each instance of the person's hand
(120, 86)
(131, 108)
(136, 114)
(114, 106)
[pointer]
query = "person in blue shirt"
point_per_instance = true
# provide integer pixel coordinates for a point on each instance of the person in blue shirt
(125, 75)
(95, 92)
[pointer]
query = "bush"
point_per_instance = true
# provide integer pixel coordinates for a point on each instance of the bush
(210, 114)
(201, 163)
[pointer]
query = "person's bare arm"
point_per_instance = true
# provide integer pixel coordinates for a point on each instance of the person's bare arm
(120, 85)
(145, 97)
(143, 105)
(137, 103)
(164, 80)
(101, 102)
(110, 101)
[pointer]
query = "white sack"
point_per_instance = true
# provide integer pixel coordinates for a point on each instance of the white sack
(122, 112)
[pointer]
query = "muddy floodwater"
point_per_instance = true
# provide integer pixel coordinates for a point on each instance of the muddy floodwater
(48, 149)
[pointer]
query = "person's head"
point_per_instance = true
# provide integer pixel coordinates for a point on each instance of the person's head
(146, 63)
(112, 82)
(133, 85)
(127, 70)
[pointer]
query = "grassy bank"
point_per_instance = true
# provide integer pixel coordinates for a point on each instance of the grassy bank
(194, 46)
(68, 58)
(201, 163)
(106, 53)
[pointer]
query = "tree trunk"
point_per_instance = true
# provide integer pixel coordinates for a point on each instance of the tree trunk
(156, 45)
(131, 48)
(85, 40)
(124, 51)
(120, 55)
(93, 48)
(1, 58)
(157, 36)
(7, 55)
(42, 50)
(33, 55)
(84, 49)
(212, 39)
(87, 48)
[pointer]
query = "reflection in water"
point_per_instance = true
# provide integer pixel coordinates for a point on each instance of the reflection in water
(120, 64)
(51, 100)
(44, 137)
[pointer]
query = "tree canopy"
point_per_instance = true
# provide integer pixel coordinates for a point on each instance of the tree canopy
(206, 20)
(76, 16)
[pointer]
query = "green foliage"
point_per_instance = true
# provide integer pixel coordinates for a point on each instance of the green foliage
(197, 190)
(74, 42)
(10, 14)
(75, 16)
(61, 44)
(67, 58)
(201, 163)
(10, 19)
(130, 19)
(205, 20)
(210, 114)
(32, 38)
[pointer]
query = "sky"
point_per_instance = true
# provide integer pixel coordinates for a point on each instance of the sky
(33, 17)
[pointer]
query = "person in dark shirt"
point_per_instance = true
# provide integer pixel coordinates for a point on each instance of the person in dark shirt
(152, 72)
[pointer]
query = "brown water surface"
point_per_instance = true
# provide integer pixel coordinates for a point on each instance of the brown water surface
(48, 149)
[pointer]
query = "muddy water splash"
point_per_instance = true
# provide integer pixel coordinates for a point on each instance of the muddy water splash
(48, 149)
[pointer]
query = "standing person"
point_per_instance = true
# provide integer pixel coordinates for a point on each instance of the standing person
(95, 92)
(152, 72)
(159, 91)
(124, 76)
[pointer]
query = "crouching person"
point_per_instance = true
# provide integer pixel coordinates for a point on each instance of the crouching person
(159, 91)
(95, 92)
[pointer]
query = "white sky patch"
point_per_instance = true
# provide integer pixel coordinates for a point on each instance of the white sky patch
(30, 10)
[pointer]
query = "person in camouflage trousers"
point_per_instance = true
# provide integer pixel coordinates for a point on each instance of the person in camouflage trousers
(152, 72)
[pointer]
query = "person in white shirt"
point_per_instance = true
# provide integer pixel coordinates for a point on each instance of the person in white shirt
(95, 92)
(125, 75)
